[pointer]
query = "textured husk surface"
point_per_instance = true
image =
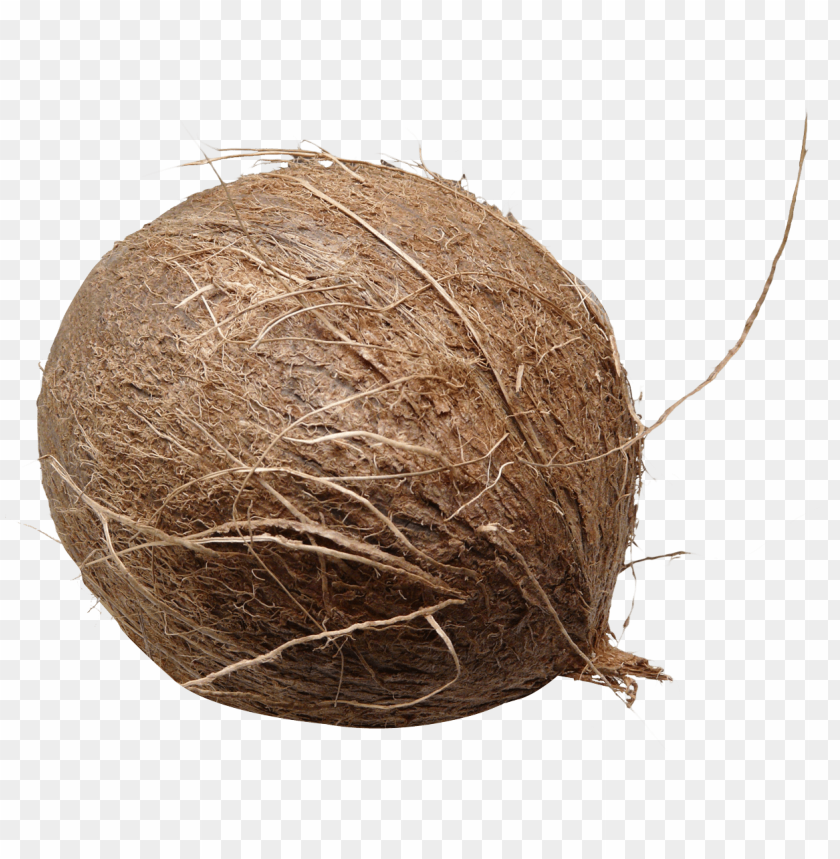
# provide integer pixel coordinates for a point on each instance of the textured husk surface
(348, 404)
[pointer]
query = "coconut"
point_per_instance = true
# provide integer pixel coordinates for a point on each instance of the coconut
(341, 443)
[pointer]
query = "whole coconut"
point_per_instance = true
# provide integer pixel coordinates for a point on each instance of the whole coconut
(340, 443)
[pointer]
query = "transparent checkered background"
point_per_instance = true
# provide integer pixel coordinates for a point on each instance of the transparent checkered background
(652, 147)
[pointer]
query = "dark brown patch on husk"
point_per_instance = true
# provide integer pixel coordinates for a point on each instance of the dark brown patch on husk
(208, 461)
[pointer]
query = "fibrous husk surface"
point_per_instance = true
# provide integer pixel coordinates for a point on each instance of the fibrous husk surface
(338, 442)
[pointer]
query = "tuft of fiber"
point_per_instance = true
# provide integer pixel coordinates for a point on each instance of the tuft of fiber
(341, 443)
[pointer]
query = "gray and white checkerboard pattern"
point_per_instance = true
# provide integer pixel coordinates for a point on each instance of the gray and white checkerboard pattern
(652, 147)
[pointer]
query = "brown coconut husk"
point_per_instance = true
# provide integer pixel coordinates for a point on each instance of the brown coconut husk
(341, 443)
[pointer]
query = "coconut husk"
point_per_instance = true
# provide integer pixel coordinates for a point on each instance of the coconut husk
(341, 443)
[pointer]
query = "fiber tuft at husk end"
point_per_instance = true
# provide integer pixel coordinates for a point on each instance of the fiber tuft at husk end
(336, 443)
